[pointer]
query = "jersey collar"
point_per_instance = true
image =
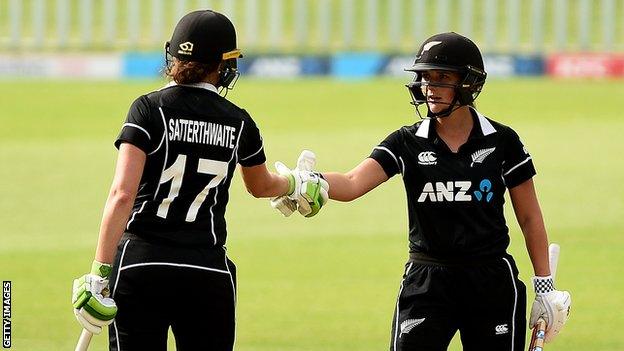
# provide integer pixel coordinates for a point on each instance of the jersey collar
(201, 85)
(487, 128)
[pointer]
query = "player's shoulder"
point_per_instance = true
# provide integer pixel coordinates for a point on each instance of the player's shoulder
(503, 131)
(401, 134)
(241, 112)
(409, 130)
(141, 105)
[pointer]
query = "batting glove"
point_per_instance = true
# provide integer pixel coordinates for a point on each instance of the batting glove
(313, 193)
(92, 306)
(307, 192)
(553, 306)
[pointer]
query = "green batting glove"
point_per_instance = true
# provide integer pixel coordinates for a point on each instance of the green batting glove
(313, 193)
(92, 306)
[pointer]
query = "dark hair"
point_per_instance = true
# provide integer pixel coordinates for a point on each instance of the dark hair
(189, 72)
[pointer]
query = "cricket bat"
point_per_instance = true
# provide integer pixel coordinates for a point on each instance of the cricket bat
(539, 331)
(84, 340)
(305, 162)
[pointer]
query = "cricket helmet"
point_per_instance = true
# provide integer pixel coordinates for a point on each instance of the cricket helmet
(206, 36)
(448, 52)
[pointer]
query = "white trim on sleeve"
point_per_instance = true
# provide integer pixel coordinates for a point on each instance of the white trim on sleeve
(518, 165)
(139, 128)
(391, 154)
(254, 154)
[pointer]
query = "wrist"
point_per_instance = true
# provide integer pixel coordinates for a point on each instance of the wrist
(291, 183)
(101, 269)
(543, 285)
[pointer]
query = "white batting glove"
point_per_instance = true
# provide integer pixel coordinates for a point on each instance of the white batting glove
(313, 192)
(299, 197)
(553, 306)
(287, 204)
(284, 204)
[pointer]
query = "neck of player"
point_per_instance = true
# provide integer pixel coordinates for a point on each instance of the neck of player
(455, 128)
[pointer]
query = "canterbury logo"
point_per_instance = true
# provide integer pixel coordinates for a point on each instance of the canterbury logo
(480, 155)
(186, 48)
(429, 45)
(427, 158)
(501, 329)
(409, 324)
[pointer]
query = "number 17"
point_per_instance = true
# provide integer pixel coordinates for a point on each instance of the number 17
(175, 173)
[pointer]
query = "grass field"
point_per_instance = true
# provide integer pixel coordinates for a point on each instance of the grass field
(326, 283)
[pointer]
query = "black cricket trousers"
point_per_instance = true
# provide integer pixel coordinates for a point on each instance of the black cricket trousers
(157, 286)
(485, 301)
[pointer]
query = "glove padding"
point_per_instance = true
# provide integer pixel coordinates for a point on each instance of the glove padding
(313, 192)
(284, 204)
(553, 306)
(92, 306)
(307, 193)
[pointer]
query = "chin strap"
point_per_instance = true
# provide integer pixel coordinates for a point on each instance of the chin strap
(444, 113)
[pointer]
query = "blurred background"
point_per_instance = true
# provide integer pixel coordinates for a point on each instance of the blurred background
(326, 75)
(287, 38)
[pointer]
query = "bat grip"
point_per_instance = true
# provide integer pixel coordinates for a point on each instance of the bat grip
(537, 338)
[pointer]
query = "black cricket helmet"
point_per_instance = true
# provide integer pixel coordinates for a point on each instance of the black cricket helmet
(448, 52)
(206, 36)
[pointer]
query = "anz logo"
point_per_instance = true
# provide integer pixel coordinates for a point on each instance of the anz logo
(456, 191)
(485, 191)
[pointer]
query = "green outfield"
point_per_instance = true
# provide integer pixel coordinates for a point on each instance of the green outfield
(326, 283)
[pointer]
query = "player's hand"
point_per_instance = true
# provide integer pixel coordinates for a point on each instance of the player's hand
(92, 306)
(553, 306)
(307, 192)
(313, 192)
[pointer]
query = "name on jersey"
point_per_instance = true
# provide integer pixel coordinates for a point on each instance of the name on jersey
(202, 132)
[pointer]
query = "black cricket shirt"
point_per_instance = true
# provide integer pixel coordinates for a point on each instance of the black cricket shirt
(193, 139)
(455, 200)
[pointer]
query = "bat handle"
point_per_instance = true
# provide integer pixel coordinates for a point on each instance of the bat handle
(537, 339)
(84, 340)
(306, 161)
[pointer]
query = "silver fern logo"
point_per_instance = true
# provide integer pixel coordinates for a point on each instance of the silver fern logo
(409, 324)
(480, 155)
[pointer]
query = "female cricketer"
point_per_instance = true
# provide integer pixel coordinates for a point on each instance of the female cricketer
(456, 165)
(162, 237)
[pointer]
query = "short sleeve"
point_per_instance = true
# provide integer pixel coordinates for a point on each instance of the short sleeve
(138, 130)
(251, 148)
(388, 154)
(518, 165)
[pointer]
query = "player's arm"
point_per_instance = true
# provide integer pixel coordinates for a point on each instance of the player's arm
(551, 305)
(128, 172)
(529, 216)
(262, 183)
(357, 182)
(93, 307)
